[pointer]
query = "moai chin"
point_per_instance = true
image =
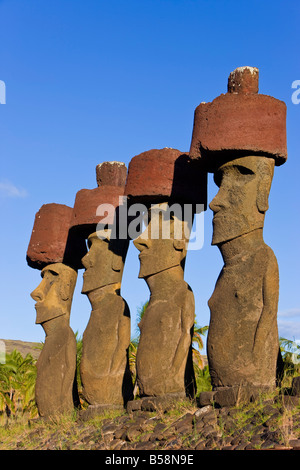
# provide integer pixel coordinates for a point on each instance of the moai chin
(104, 366)
(50, 251)
(164, 179)
(242, 344)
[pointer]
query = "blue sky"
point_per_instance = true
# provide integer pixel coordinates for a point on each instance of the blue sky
(92, 81)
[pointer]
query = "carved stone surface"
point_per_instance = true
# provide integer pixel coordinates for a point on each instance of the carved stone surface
(50, 248)
(99, 205)
(111, 174)
(56, 390)
(242, 343)
(239, 137)
(240, 121)
(164, 361)
(167, 174)
(50, 240)
(104, 366)
(161, 178)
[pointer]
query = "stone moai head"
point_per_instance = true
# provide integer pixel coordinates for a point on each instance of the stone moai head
(53, 251)
(96, 218)
(242, 200)
(166, 182)
(54, 294)
(163, 244)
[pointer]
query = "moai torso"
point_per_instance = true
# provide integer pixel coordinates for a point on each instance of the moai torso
(164, 351)
(242, 343)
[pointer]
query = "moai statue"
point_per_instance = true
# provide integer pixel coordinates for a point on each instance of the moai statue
(57, 255)
(166, 182)
(240, 137)
(104, 367)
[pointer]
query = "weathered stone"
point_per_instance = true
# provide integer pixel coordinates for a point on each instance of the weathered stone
(55, 389)
(159, 403)
(51, 241)
(243, 80)
(290, 401)
(95, 206)
(248, 284)
(101, 205)
(164, 361)
(97, 410)
(161, 177)
(111, 174)
(239, 123)
(167, 174)
(203, 411)
(104, 367)
(206, 398)
(296, 386)
(240, 136)
(295, 443)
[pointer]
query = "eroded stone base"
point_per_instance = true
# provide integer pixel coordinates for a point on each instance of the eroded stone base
(163, 403)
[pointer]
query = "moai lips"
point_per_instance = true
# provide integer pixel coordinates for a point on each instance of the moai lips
(240, 121)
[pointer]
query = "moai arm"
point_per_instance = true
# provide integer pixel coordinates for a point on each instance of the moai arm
(124, 340)
(187, 322)
(70, 363)
(270, 304)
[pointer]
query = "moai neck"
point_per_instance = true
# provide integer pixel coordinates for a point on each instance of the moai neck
(56, 324)
(96, 296)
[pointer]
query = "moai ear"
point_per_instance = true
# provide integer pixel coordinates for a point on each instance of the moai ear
(265, 169)
(179, 244)
(117, 262)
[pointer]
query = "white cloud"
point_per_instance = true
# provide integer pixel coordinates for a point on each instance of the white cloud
(289, 313)
(8, 189)
(289, 324)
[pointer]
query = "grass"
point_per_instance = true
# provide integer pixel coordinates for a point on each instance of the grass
(66, 432)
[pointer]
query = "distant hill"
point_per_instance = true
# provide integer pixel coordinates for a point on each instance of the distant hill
(24, 347)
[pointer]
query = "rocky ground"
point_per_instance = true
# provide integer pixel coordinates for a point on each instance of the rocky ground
(267, 424)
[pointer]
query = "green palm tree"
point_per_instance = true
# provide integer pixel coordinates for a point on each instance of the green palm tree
(17, 384)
